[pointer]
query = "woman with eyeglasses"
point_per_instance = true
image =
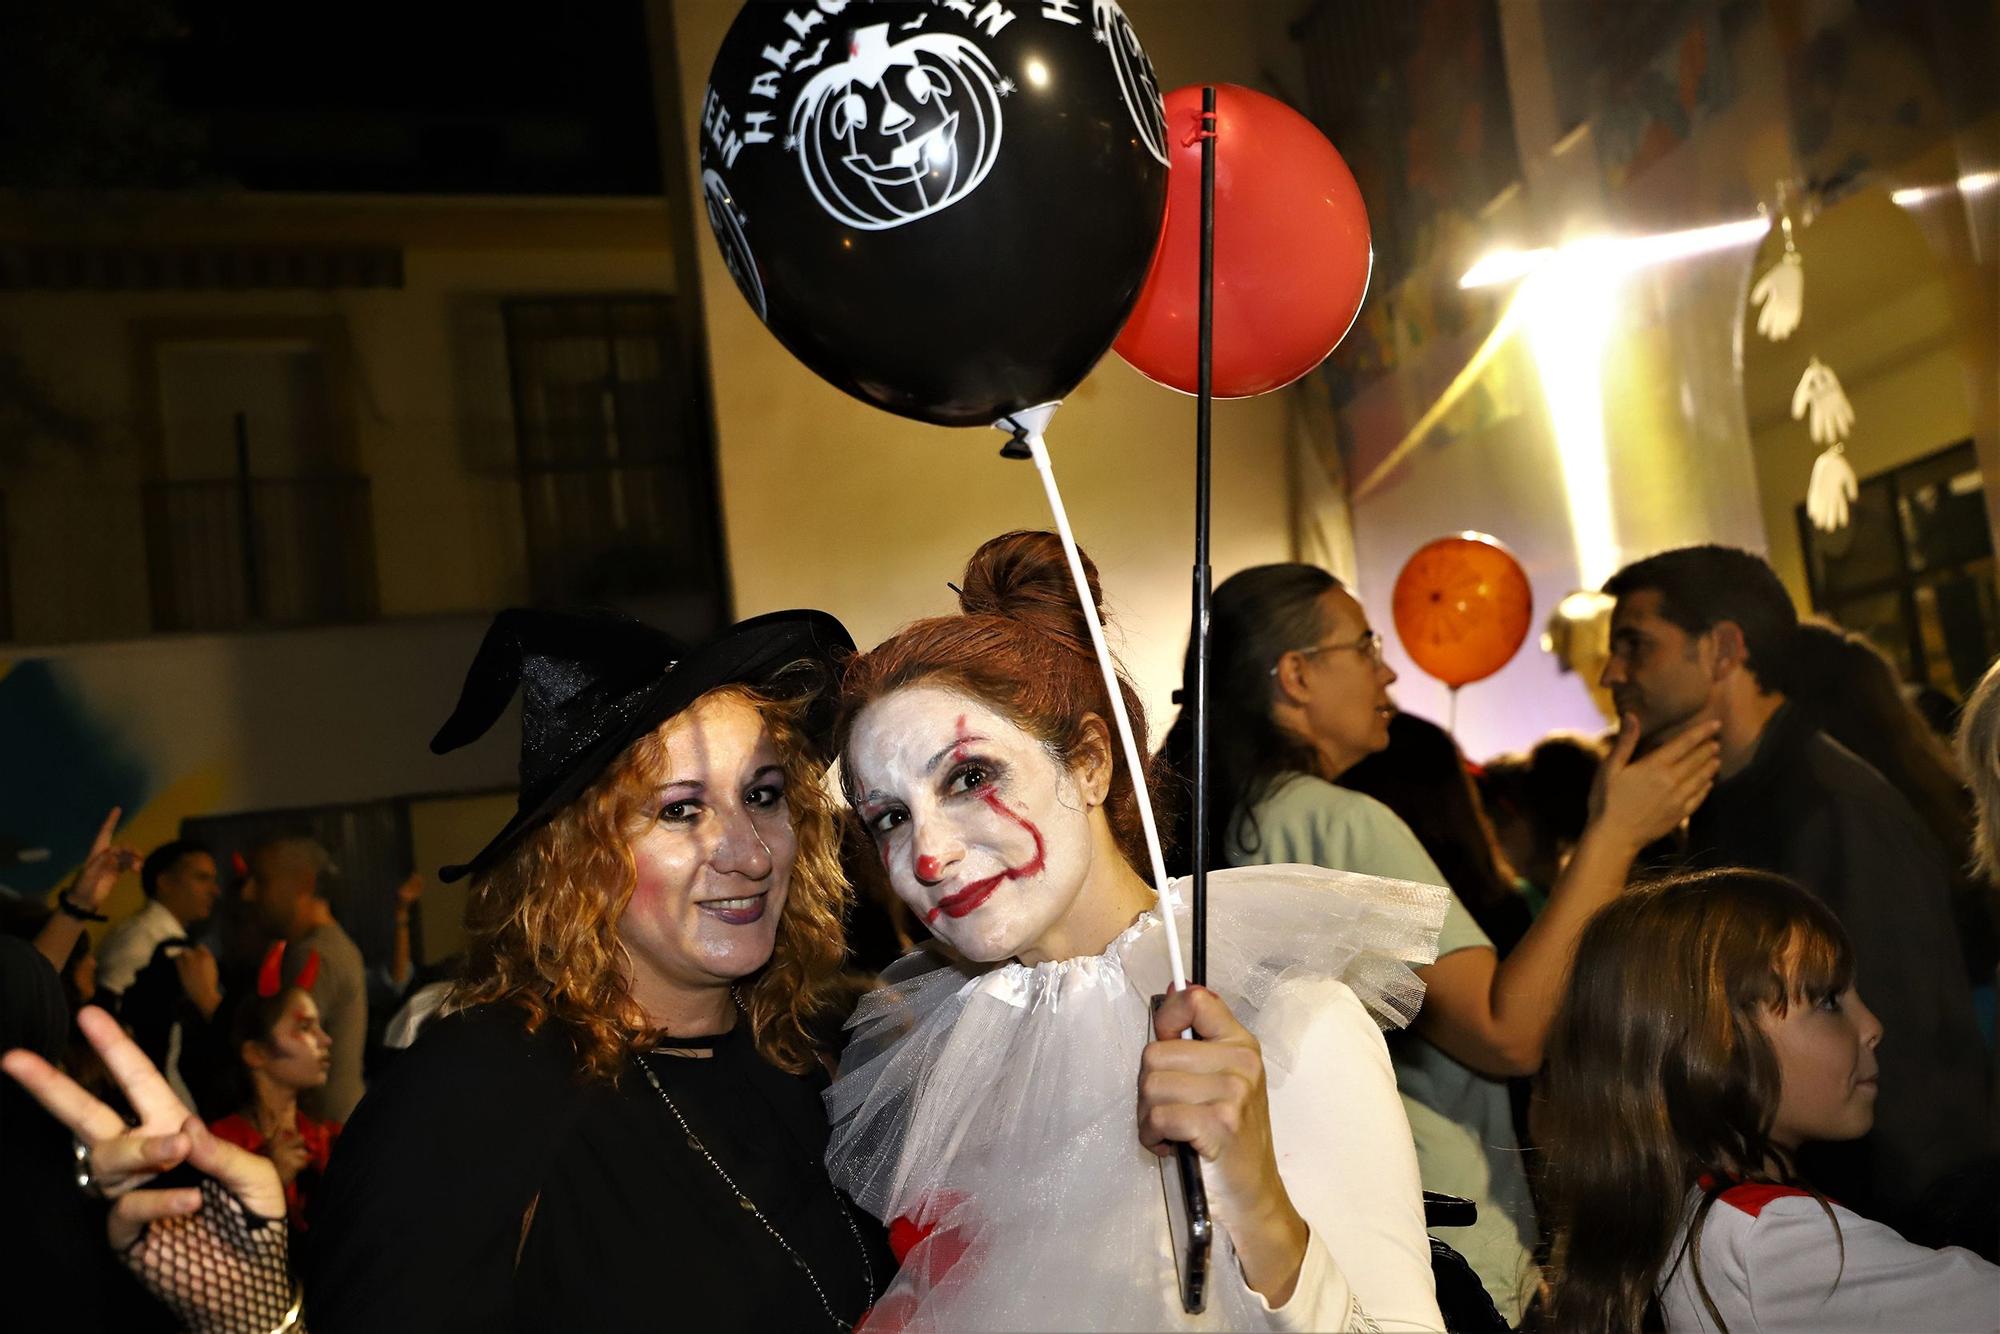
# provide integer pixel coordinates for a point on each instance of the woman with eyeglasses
(1298, 695)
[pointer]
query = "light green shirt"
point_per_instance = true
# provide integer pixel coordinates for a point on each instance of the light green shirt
(1460, 1120)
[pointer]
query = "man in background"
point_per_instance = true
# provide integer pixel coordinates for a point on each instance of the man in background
(283, 896)
(180, 884)
(1705, 633)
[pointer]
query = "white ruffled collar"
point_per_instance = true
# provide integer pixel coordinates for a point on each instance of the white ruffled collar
(1031, 986)
(993, 1108)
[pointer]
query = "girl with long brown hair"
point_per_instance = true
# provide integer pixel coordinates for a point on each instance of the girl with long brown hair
(1711, 1029)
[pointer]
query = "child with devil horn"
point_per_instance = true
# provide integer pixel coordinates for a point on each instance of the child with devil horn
(281, 1051)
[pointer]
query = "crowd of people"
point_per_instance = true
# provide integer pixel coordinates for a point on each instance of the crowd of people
(1686, 1027)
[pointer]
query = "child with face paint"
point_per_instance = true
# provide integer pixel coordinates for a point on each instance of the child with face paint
(282, 1052)
(985, 1107)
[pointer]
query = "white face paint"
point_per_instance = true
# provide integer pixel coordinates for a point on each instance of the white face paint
(983, 833)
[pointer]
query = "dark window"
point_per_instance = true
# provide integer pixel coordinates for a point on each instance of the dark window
(1913, 570)
(258, 519)
(231, 553)
(617, 470)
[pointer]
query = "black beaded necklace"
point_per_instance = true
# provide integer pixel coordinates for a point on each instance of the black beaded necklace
(749, 1206)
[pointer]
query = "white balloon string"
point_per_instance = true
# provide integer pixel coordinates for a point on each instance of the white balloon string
(1029, 425)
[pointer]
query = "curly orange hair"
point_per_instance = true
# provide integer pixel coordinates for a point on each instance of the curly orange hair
(543, 923)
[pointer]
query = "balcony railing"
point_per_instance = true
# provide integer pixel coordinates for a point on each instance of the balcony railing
(268, 552)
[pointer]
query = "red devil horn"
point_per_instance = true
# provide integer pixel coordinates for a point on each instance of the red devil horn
(241, 866)
(267, 974)
(308, 974)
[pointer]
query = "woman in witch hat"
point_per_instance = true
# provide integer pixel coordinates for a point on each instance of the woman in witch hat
(617, 1124)
(985, 1106)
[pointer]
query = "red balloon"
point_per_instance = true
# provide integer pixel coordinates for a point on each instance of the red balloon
(1462, 607)
(1292, 253)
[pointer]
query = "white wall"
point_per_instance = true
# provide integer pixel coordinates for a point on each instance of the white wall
(281, 720)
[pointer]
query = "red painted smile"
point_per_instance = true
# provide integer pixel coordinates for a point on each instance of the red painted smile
(966, 900)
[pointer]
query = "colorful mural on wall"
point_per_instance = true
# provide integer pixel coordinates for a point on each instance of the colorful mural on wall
(65, 767)
(298, 726)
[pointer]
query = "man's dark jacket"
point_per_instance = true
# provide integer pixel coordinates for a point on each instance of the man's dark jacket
(1808, 808)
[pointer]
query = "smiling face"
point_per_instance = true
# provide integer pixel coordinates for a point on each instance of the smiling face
(1827, 1068)
(900, 126)
(298, 1053)
(982, 831)
(715, 862)
(899, 129)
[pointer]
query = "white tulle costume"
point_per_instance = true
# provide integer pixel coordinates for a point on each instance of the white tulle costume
(989, 1113)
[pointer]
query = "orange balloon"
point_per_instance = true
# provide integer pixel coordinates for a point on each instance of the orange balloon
(1462, 607)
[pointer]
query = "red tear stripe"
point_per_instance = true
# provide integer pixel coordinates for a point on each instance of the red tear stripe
(1029, 868)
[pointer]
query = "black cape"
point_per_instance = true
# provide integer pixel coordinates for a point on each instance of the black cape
(423, 1221)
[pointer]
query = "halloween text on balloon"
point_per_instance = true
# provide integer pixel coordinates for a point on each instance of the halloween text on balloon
(802, 52)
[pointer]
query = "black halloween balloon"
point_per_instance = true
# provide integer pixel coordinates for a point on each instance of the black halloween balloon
(946, 208)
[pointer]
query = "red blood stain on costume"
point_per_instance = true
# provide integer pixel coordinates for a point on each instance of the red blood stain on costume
(928, 1246)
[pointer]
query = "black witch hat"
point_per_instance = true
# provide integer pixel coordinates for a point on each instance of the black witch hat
(593, 683)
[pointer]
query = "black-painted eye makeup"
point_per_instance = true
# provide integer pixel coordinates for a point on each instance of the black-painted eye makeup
(970, 775)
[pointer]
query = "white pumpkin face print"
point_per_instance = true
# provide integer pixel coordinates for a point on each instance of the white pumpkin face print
(902, 128)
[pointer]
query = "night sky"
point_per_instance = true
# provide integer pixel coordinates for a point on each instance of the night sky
(427, 97)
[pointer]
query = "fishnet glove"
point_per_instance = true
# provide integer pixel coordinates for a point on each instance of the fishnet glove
(221, 1269)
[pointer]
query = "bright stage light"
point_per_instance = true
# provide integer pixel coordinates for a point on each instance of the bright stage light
(1977, 182)
(1621, 253)
(1569, 305)
(1504, 266)
(1566, 306)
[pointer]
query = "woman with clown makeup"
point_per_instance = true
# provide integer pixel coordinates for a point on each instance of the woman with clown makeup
(986, 1105)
